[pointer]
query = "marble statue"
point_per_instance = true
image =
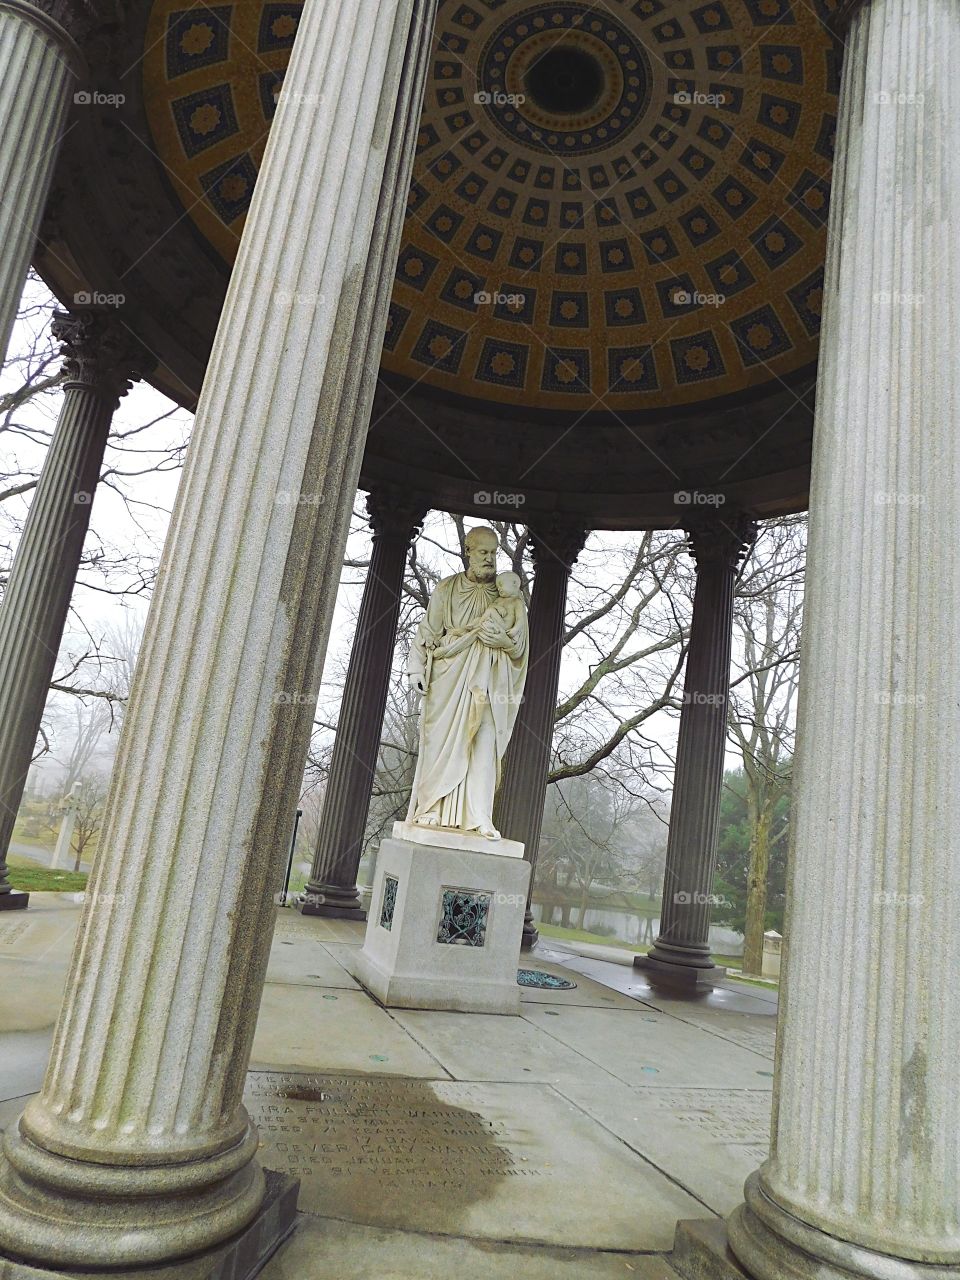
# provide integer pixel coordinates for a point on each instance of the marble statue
(469, 660)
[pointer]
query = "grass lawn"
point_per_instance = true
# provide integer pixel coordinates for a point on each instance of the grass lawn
(28, 876)
(36, 842)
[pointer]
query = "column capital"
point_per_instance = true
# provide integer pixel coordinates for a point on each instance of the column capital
(393, 513)
(721, 540)
(99, 352)
(844, 14)
(557, 540)
(67, 22)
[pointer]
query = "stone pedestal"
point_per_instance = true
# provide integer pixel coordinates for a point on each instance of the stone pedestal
(469, 841)
(863, 1178)
(39, 63)
(138, 1151)
(101, 360)
(681, 954)
(444, 929)
(519, 808)
(332, 890)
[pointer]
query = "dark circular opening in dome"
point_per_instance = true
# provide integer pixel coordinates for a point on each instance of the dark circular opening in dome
(564, 81)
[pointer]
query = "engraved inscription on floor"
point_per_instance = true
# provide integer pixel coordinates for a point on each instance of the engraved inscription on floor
(488, 1160)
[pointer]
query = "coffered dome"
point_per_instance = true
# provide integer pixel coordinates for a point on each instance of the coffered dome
(615, 232)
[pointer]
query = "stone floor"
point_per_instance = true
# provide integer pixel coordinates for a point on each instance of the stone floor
(565, 1142)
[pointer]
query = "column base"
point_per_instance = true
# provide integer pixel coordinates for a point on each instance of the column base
(76, 1214)
(761, 1241)
(14, 900)
(772, 1244)
(684, 977)
(333, 901)
(241, 1258)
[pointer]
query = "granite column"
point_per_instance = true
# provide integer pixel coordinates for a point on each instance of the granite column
(138, 1151)
(863, 1178)
(523, 790)
(332, 890)
(101, 360)
(39, 64)
(681, 953)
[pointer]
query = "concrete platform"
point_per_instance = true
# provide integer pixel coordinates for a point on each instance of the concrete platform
(566, 1141)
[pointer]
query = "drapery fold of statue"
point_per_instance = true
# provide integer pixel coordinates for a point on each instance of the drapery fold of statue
(469, 659)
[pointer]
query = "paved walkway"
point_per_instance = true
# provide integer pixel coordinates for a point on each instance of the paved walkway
(565, 1142)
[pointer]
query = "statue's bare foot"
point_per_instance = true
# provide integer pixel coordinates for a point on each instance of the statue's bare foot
(491, 833)
(427, 820)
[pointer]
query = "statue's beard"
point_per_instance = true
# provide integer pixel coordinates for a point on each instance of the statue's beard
(483, 575)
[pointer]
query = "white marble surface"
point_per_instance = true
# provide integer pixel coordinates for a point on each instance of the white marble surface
(450, 838)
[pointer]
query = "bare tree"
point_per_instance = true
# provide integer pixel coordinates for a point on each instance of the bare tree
(767, 615)
(122, 548)
(92, 718)
(89, 816)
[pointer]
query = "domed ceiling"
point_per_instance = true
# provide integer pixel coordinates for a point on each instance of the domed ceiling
(617, 206)
(609, 286)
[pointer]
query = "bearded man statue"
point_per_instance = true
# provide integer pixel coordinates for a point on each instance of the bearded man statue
(469, 660)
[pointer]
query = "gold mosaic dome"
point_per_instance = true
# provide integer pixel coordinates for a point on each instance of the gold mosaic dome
(614, 207)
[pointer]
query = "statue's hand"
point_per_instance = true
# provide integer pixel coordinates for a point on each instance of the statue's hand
(416, 682)
(494, 636)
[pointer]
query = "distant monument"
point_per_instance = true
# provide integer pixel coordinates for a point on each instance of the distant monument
(469, 660)
(446, 910)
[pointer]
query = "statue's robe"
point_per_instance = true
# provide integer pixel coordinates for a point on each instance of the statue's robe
(469, 708)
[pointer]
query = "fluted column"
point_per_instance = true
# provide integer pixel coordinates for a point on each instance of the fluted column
(522, 794)
(138, 1149)
(863, 1178)
(332, 890)
(101, 360)
(39, 63)
(681, 953)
